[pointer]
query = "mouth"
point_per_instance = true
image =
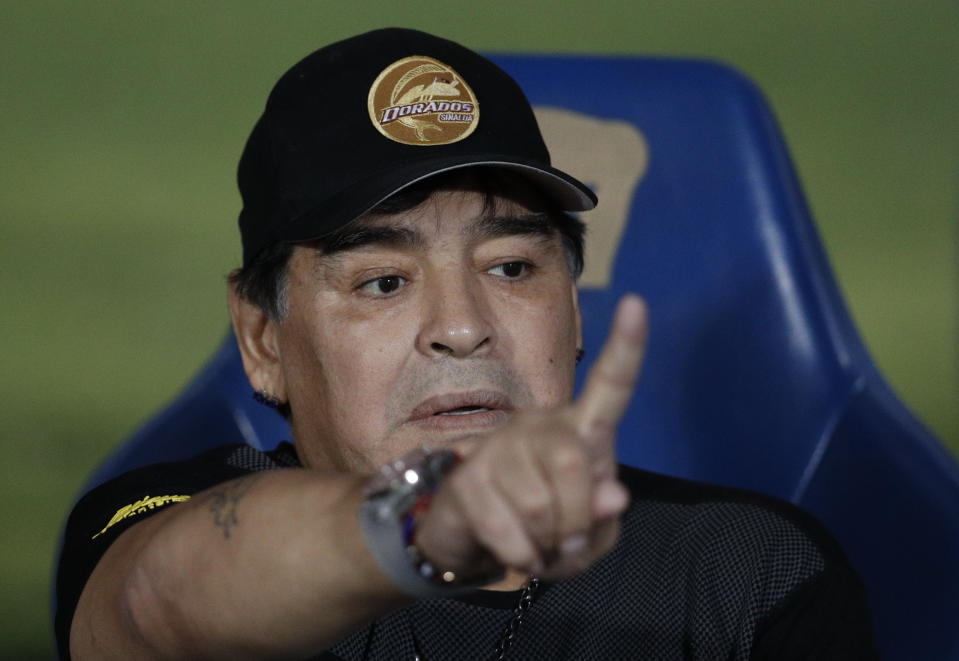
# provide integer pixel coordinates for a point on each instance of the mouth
(464, 410)
(481, 407)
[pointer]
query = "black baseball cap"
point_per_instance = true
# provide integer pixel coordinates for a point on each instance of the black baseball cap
(357, 121)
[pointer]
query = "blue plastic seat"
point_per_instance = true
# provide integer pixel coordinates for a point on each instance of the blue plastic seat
(755, 375)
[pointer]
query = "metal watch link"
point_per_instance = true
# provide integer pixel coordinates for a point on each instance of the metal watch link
(386, 518)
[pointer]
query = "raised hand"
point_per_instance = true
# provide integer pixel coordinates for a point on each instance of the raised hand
(540, 495)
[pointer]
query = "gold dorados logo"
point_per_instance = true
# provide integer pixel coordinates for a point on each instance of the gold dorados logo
(421, 101)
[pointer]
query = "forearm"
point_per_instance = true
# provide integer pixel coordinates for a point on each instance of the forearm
(272, 565)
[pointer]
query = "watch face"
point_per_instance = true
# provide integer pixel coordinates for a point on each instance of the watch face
(418, 471)
(399, 474)
(436, 466)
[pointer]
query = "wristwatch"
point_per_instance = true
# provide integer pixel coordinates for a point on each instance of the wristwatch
(394, 496)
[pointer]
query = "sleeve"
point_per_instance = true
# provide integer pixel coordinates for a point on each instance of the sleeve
(826, 618)
(102, 515)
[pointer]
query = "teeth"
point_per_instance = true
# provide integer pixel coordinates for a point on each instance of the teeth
(467, 411)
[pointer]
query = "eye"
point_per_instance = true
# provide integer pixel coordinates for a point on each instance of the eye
(383, 286)
(511, 270)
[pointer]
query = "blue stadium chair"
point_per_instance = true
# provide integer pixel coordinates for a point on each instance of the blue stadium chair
(755, 375)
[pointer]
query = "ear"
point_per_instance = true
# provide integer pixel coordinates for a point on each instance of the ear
(256, 335)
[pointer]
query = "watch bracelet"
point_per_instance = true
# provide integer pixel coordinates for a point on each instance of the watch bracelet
(388, 524)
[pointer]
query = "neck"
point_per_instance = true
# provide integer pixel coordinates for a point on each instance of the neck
(513, 580)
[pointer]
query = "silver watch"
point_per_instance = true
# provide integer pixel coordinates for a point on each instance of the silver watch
(387, 518)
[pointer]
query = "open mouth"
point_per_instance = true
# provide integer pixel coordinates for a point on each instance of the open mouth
(462, 405)
(463, 410)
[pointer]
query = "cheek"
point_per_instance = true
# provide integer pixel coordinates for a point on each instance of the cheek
(546, 345)
(360, 365)
(340, 401)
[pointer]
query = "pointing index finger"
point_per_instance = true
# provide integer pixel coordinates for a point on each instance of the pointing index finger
(612, 378)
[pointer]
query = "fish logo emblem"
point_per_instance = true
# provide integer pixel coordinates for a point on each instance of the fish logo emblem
(421, 101)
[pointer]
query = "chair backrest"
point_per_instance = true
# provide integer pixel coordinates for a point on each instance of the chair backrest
(755, 376)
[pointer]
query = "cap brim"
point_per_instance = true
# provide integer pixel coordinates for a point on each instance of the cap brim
(564, 191)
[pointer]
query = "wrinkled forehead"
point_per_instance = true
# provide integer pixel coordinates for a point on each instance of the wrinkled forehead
(466, 210)
(445, 219)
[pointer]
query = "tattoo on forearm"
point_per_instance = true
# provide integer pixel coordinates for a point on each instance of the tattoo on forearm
(224, 503)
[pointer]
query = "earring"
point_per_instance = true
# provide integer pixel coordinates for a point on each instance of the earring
(579, 355)
(266, 399)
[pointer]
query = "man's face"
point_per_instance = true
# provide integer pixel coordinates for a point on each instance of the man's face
(432, 326)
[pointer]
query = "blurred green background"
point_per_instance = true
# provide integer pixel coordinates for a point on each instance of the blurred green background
(122, 123)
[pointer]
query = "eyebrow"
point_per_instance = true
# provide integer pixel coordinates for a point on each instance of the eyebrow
(361, 236)
(487, 227)
(537, 224)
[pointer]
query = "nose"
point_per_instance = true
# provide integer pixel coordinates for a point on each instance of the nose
(458, 321)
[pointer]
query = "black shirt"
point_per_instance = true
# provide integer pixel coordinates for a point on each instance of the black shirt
(700, 572)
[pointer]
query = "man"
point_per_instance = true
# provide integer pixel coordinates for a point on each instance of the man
(408, 301)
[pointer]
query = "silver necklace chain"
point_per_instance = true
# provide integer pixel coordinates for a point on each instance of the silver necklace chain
(512, 627)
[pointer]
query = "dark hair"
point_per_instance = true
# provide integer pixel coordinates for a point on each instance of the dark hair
(263, 281)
